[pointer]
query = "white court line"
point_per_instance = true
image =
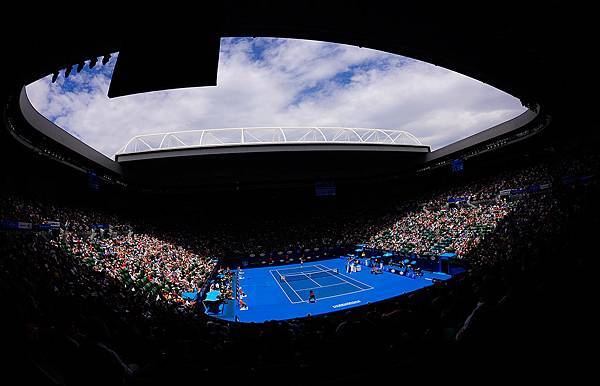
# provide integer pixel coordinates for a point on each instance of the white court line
(282, 290)
(305, 274)
(308, 277)
(335, 296)
(344, 282)
(306, 266)
(302, 272)
(323, 286)
(347, 277)
(291, 287)
(352, 284)
(321, 269)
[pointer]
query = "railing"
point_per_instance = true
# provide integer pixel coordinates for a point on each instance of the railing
(266, 136)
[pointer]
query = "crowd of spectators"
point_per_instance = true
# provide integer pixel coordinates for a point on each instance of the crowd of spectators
(164, 266)
(76, 317)
(143, 262)
(439, 231)
(458, 219)
(425, 226)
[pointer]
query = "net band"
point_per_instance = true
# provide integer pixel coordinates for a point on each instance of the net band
(309, 275)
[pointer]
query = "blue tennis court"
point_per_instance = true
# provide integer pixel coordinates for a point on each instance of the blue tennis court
(281, 292)
(326, 283)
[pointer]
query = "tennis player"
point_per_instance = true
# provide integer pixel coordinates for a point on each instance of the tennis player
(311, 297)
(350, 265)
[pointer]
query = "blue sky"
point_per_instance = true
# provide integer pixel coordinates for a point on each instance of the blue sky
(282, 82)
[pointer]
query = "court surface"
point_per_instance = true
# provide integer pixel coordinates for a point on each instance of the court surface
(297, 282)
(271, 297)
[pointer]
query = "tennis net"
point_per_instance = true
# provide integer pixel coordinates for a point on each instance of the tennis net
(309, 275)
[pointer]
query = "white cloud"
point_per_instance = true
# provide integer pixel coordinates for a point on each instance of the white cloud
(277, 82)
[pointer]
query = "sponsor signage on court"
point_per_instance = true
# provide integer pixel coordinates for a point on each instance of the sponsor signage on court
(52, 224)
(24, 225)
(346, 304)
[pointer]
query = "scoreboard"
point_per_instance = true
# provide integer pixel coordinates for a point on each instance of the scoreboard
(325, 189)
(458, 165)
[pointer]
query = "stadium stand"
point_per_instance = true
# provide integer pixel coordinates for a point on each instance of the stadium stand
(98, 305)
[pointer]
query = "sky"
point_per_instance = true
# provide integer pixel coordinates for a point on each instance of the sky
(270, 82)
